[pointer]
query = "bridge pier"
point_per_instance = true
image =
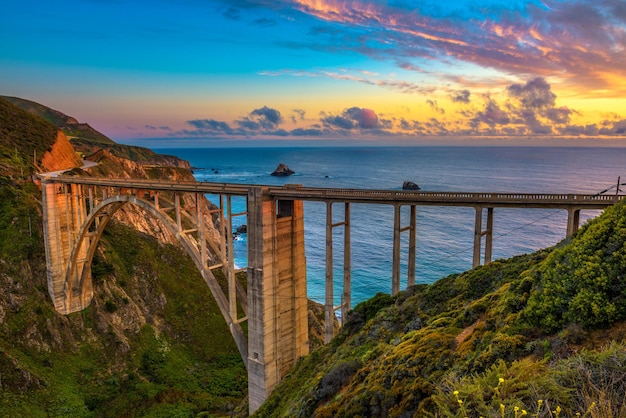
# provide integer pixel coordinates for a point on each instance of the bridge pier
(397, 231)
(478, 235)
(277, 298)
(64, 211)
(346, 296)
(573, 221)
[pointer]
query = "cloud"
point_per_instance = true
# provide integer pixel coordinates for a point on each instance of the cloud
(578, 130)
(434, 106)
(268, 23)
(357, 76)
(364, 118)
(614, 128)
(265, 121)
(528, 109)
(580, 42)
(247, 123)
(559, 115)
(520, 109)
(535, 94)
(259, 120)
(353, 118)
(410, 125)
(338, 122)
(211, 127)
(461, 96)
(299, 115)
(491, 115)
(307, 132)
(267, 117)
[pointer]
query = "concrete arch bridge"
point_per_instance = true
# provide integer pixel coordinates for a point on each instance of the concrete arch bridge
(77, 210)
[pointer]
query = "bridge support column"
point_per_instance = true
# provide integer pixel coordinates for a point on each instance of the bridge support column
(64, 211)
(277, 299)
(412, 247)
(573, 221)
(395, 263)
(346, 303)
(346, 295)
(489, 236)
(397, 231)
(478, 235)
(329, 299)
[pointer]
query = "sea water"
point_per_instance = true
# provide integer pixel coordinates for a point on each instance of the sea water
(444, 234)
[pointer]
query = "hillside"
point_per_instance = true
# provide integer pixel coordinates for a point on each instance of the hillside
(86, 140)
(70, 126)
(134, 351)
(538, 332)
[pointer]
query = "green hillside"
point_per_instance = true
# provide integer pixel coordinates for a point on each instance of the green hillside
(87, 140)
(152, 343)
(69, 125)
(22, 139)
(538, 332)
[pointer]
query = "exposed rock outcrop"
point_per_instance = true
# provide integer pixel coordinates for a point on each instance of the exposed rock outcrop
(283, 171)
(111, 166)
(60, 156)
(409, 185)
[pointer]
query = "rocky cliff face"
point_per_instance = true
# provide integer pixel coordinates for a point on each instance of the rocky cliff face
(151, 343)
(60, 156)
(111, 166)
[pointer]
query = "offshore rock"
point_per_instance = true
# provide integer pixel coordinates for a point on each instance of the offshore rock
(409, 185)
(282, 171)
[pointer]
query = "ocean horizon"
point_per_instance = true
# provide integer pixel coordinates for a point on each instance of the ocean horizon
(444, 234)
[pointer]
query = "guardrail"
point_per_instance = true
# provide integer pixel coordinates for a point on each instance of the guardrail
(293, 191)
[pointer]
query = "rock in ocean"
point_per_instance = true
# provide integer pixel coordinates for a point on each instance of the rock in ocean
(282, 171)
(409, 185)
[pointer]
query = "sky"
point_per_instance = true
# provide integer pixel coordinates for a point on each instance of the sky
(202, 72)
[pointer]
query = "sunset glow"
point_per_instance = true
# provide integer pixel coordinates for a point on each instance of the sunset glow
(321, 69)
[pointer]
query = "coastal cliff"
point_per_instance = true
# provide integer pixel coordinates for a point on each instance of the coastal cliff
(134, 351)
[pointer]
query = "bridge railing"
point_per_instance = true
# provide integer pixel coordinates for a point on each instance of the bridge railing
(314, 193)
(294, 191)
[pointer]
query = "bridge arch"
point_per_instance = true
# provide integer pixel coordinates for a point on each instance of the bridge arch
(78, 281)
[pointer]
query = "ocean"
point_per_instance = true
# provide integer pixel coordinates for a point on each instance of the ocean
(444, 235)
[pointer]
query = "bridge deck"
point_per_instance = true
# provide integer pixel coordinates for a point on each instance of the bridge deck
(292, 191)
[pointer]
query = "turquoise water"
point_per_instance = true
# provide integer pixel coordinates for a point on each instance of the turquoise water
(444, 235)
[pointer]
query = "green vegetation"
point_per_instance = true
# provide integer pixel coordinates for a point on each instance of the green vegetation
(22, 138)
(152, 342)
(584, 282)
(501, 339)
(83, 137)
(67, 124)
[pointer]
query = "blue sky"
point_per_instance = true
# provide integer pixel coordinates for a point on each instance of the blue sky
(193, 72)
